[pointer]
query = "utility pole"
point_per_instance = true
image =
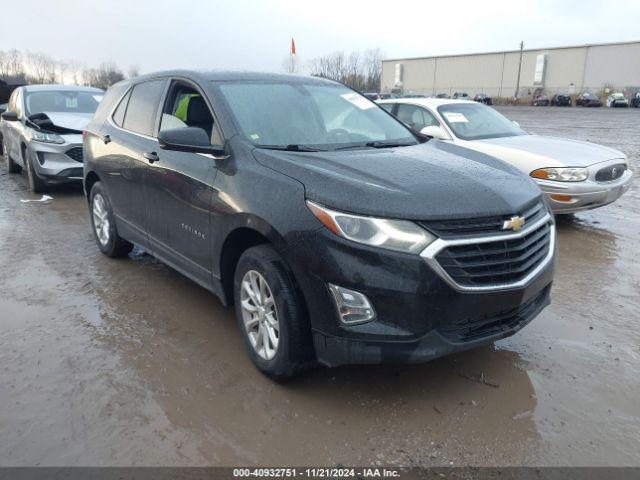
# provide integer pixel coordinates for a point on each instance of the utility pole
(519, 69)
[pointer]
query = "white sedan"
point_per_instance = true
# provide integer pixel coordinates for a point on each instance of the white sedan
(573, 175)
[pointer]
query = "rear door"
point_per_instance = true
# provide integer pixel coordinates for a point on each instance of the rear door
(129, 133)
(178, 185)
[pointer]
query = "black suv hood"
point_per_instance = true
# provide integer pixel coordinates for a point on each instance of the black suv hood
(434, 180)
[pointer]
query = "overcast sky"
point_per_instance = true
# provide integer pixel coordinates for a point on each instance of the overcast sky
(255, 35)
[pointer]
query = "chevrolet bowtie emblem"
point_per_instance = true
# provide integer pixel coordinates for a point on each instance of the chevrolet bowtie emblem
(514, 223)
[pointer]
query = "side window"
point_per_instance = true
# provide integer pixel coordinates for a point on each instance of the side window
(415, 117)
(12, 101)
(185, 107)
(143, 104)
(430, 119)
(118, 115)
(17, 106)
(388, 107)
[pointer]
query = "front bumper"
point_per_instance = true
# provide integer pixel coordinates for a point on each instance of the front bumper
(419, 315)
(58, 163)
(585, 195)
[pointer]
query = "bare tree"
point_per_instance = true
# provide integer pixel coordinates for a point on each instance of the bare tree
(12, 67)
(361, 72)
(41, 68)
(133, 71)
(104, 76)
(372, 65)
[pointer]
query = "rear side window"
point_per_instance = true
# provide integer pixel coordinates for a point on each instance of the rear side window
(387, 106)
(111, 97)
(143, 104)
(118, 115)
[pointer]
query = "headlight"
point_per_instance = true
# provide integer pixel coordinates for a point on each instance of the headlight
(46, 137)
(399, 235)
(565, 174)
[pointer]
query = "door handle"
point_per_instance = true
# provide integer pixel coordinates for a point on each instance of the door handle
(151, 156)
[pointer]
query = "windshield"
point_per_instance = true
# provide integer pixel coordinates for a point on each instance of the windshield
(618, 95)
(66, 101)
(317, 115)
(473, 121)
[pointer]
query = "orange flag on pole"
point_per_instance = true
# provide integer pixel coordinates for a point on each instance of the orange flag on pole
(293, 47)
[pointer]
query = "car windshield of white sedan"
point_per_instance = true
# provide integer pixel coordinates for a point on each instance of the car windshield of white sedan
(306, 116)
(477, 122)
(62, 101)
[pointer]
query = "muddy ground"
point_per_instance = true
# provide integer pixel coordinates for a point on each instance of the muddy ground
(126, 362)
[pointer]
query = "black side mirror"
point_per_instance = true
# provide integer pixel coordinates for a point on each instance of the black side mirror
(189, 139)
(10, 116)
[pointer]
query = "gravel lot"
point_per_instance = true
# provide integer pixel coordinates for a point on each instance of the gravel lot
(125, 362)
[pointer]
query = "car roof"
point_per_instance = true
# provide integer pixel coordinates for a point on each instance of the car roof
(57, 88)
(427, 102)
(231, 76)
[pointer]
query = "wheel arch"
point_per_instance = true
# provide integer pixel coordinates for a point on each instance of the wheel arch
(89, 180)
(246, 232)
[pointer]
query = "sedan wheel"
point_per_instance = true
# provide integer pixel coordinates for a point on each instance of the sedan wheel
(101, 219)
(259, 315)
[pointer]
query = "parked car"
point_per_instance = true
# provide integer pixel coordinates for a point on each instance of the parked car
(443, 95)
(414, 95)
(339, 234)
(588, 99)
(617, 100)
(561, 100)
(573, 175)
(635, 101)
(483, 98)
(461, 95)
(372, 96)
(41, 132)
(540, 100)
(6, 90)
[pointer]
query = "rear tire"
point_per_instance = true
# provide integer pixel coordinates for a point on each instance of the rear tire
(12, 167)
(104, 226)
(36, 184)
(274, 304)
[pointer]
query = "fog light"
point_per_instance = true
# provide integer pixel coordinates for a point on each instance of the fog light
(562, 198)
(353, 307)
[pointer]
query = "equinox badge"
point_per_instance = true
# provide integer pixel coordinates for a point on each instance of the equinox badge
(514, 223)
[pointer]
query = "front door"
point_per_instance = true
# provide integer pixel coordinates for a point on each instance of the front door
(178, 187)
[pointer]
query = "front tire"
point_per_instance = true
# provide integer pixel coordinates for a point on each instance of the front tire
(271, 314)
(104, 226)
(36, 184)
(12, 167)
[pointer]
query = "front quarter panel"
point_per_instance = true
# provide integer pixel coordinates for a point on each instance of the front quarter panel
(250, 195)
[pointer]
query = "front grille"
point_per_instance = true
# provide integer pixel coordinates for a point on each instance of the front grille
(470, 329)
(497, 262)
(482, 225)
(75, 153)
(610, 173)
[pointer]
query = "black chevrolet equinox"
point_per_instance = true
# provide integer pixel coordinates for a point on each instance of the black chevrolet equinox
(340, 235)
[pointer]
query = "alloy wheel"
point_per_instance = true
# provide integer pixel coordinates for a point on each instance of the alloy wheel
(101, 223)
(259, 314)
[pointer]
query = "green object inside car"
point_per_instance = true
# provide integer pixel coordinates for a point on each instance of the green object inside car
(183, 105)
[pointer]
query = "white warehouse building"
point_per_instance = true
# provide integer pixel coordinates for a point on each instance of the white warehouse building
(598, 68)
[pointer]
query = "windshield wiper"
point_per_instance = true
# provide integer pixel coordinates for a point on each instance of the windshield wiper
(292, 147)
(376, 144)
(382, 144)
